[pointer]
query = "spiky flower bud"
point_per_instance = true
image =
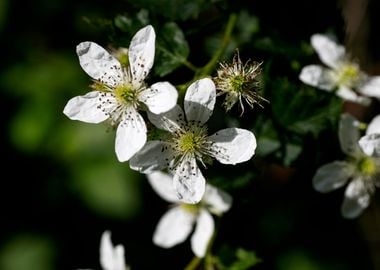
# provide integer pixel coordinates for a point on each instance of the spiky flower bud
(239, 81)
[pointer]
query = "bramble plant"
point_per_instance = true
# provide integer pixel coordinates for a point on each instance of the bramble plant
(183, 145)
(204, 134)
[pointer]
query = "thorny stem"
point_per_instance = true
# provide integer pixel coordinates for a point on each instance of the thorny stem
(209, 67)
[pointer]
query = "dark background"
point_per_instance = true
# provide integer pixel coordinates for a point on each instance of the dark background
(62, 186)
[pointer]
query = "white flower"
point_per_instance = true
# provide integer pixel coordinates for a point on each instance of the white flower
(188, 143)
(342, 75)
(111, 258)
(361, 170)
(121, 91)
(178, 222)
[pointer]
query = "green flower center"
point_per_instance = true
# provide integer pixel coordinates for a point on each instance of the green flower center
(191, 141)
(367, 166)
(192, 208)
(348, 75)
(237, 83)
(126, 94)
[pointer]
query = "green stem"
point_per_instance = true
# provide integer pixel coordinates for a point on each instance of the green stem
(190, 65)
(209, 259)
(208, 68)
(193, 264)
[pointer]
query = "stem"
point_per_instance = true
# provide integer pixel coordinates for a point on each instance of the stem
(193, 264)
(207, 69)
(189, 65)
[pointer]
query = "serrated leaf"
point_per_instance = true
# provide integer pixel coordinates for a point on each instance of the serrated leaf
(303, 110)
(246, 259)
(172, 49)
(239, 259)
(123, 22)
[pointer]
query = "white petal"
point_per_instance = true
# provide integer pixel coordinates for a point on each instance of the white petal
(371, 87)
(332, 176)
(348, 94)
(162, 184)
(349, 134)
(130, 135)
(374, 125)
(99, 64)
(317, 76)
(119, 261)
(173, 228)
(356, 199)
(111, 258)
(90, 108)
(202, 234)
(200, 100)
(155, 155)
(328, 50)
(106, 251)
(189, 182)
(170, 121)
(216, 200)
(233, 145)
(370, 144)
(141, 53)
(160, 97)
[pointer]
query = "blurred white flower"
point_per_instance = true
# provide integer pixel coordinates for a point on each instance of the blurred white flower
(361, 170)
(120, 91)
(188, 143)
(111, 258)
(178, 222)
(342, 75)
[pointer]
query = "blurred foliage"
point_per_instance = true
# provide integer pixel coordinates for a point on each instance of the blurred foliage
(26, 252)
(240, 259)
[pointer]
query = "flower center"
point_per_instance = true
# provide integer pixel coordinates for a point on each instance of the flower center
(237, 83)
(126, 94)
(192, 141)
(348, 75)
(192, 208)
(367, 166)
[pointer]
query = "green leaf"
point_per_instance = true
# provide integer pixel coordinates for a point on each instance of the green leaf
(123, 22)
(131, 24)
(25, 252)
(303, 110)
(239, 259)
(108, 188)
(245, 259)
(172, 49)
(247, 25)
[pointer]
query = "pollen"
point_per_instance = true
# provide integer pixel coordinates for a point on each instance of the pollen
(192, 140)
(188, 142)
(348, 75)
(126, 94)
